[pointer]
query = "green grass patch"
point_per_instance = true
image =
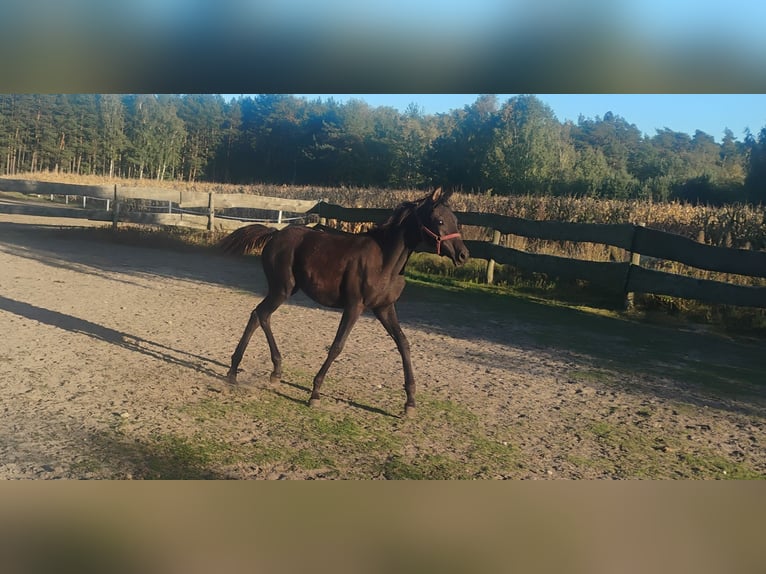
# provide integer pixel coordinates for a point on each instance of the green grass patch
(592, 376)
(427, 467)
(726, 380)
(350, 442)
(640, 453)
(429, 268)
(626, 453)
(162, 456)
(85, 466)
(604, 431)
(170, 456)
(716, 466)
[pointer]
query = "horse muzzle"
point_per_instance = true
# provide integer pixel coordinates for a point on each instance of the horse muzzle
(458, 251)
(462, 255)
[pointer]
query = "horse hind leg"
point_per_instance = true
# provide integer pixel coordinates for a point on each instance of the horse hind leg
(236, 357)
(277, 264)
(261, 316)
(264, 312)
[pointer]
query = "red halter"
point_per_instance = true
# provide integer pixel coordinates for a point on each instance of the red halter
(439, 238)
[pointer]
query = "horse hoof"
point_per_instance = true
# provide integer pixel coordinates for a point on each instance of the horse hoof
(275, 379)
(410, 411)
(232, 378)
(313, 402)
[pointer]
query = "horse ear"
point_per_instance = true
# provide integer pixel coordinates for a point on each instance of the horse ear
(436, 195)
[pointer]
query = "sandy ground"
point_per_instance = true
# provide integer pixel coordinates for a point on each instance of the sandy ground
(98, 333)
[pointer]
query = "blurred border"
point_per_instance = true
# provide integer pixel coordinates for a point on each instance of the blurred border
(296, 46)
(199, 47)
(378, 527)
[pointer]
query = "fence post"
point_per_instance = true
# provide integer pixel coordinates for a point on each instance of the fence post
(491, 262)
(635, 260)
(210, 211)
(115, 208)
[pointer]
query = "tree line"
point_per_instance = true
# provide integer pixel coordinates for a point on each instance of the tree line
(512, 147)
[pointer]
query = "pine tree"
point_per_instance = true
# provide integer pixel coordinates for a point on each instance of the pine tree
(111, 125)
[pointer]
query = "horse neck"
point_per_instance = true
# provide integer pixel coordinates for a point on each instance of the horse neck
(396, 247)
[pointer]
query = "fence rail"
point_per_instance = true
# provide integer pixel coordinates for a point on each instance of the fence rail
(178, 203)
(630, 276)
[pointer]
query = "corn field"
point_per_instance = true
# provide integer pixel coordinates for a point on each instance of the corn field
(737, 225)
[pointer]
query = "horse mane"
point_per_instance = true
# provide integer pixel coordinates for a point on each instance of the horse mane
(402, 211)
(398, 216)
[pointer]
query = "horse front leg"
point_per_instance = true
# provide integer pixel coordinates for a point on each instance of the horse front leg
(388, 318)
(350, 315)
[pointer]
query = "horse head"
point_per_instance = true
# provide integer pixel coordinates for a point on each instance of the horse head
(439, 224)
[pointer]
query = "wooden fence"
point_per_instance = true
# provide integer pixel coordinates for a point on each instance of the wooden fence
(172, 207)
(630, 276)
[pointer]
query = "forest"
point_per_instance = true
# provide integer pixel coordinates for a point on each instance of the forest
(516, 147)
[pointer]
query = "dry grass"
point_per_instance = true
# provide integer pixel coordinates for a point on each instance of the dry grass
(738, 225)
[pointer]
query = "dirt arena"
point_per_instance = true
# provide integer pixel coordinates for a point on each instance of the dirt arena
(99, 337)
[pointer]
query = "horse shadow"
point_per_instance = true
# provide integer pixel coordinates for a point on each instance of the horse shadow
(326, 397)
(127, 341)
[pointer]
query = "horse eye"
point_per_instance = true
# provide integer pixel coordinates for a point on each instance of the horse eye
(441, 222)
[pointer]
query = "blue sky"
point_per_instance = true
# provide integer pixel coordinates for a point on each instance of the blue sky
(711, 113)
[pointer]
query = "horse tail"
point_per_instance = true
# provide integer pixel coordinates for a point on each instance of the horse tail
(249, 239)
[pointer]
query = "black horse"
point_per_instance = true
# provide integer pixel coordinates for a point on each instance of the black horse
(352, 272)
